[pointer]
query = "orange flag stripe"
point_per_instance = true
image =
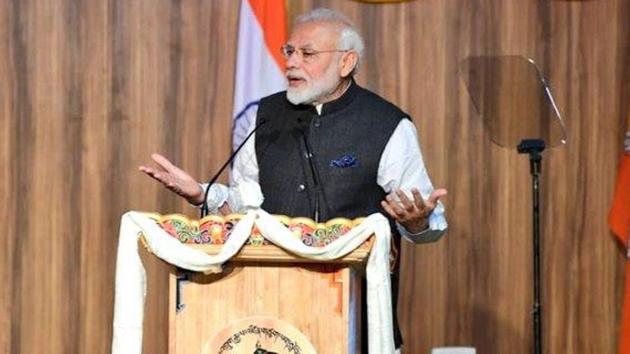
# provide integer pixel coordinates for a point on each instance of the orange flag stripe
(619, 216)
(272, 17)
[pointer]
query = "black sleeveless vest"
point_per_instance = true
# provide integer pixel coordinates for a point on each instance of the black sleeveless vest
(346, 143)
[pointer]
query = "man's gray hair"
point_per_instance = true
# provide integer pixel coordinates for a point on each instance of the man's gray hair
(349, 37)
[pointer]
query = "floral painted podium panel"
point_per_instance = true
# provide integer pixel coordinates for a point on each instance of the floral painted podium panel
(211, 232)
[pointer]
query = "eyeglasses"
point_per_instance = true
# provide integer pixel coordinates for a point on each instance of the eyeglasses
(306, 54)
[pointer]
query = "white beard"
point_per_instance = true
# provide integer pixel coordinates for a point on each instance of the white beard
(316, 90)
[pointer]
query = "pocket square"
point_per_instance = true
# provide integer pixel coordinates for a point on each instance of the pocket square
(344, 161)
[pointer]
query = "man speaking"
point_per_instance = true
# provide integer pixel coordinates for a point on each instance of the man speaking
(327, 147)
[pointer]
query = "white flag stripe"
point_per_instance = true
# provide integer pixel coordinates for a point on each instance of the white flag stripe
(257, 73)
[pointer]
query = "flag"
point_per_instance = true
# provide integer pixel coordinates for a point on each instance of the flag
(619, 216)
(619, 221)
(259, 62)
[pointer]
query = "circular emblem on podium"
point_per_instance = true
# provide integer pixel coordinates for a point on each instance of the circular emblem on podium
(259, 335)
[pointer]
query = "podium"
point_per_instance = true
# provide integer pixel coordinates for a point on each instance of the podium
(266, 300)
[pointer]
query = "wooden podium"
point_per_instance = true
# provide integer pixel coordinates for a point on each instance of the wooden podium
(265, 301)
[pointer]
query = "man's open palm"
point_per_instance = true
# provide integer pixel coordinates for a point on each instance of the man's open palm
(174, 178)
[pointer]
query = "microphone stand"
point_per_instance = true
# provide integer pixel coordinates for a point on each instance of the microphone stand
(309, 157)
(184, 275)
(535, 147)
(304, 126)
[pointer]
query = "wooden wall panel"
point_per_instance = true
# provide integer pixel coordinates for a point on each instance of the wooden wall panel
(91, 88)
(8, 182)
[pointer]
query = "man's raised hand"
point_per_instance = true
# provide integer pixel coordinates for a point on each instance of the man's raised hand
(412, 214)
(175, 179)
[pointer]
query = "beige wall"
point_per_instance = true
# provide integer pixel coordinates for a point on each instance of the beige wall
(90, 88)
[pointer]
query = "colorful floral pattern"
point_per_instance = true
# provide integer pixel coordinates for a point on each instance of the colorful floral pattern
(216, 229)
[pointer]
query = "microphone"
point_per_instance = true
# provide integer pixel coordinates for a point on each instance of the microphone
(303, 124)
(204, 208)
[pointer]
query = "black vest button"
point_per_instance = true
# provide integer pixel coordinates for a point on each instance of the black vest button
(301, 188)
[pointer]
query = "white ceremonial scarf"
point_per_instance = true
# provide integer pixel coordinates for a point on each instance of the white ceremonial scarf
(131, 277)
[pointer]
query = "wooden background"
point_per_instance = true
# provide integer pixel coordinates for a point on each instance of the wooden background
(90, 88)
